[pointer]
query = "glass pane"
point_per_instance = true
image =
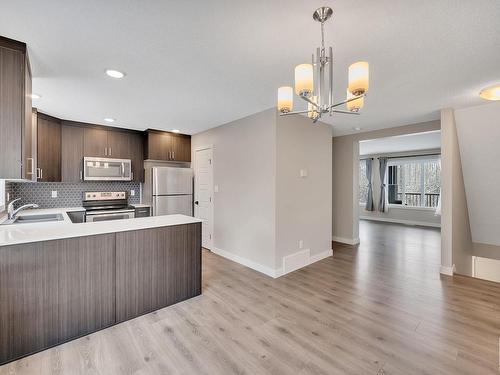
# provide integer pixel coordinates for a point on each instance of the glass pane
(363, 182)
(432, 182)
(412, 180)
(394, 178)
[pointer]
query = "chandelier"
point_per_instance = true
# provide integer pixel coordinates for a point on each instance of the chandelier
(314, 82)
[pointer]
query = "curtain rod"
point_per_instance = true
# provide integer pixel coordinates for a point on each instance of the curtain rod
(410, 156)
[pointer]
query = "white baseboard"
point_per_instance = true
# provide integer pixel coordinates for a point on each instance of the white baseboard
(348, 241)
(320, 256)
(401, 221)
(445, 270)
(246, 262)
(312, 259)
(274, 273)
(486, 268)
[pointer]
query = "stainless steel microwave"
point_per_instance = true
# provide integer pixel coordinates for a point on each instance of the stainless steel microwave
(104, 169)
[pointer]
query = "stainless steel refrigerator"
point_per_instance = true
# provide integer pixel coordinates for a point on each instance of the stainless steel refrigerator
(169, 190)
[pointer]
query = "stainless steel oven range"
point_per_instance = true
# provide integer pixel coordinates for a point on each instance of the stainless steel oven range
(103, 206)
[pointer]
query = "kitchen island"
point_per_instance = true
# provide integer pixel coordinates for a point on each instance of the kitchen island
(60, 280)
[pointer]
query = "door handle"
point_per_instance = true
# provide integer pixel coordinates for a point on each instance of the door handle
(196, 203)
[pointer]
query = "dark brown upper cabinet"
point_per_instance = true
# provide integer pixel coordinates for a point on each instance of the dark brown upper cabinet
(137, 156)
(181, 147)
(81, 139)
(48, 149)
(119, 145)
(16, 137)
(95, 142)
(71, 152)
(167, 146)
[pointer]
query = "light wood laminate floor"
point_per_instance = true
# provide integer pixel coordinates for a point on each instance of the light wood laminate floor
(381, 308)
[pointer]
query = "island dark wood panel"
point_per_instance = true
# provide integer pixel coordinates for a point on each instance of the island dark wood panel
(156, 268)
(53, 291)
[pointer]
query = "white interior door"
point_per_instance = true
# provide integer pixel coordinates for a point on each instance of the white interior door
(203, 193)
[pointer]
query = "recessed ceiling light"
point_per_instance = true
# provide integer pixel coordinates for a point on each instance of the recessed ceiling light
(491, 93)
(176, 131)
(115, 73)
(109, 119)
(357, 129)
(35, 96)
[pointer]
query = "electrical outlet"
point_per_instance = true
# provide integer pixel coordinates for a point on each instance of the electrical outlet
(132, 193)
(301, 244)
(54, 193)
(303, 173)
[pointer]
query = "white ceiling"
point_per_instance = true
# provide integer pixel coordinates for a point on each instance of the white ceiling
(196, 64)
(401, 143)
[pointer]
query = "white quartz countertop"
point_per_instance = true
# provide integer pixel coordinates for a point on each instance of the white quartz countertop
(14, 234)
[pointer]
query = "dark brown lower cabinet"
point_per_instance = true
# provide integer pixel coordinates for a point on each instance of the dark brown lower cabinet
(55, 291)
(156, 268)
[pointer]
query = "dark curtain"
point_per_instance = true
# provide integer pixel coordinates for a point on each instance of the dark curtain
(382, 206)
(369, 200)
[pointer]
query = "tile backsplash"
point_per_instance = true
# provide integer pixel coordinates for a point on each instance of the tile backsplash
(68, 194)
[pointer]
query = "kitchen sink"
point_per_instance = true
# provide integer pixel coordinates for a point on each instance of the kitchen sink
(26, 219)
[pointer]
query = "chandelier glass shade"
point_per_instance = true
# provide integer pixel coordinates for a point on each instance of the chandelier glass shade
(314, 82)
(285, 99)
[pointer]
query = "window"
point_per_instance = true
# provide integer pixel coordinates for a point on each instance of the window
(363, 182)
(414, 182)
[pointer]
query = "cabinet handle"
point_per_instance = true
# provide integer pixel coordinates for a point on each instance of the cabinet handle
(81, 175)
(105, 151)
(32, 165)
(38, 173)
(173, 155)
(132, 175)
(110, 151)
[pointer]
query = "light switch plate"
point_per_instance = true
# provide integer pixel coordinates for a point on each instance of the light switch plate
(303, 173)
(301, 244)
(54, 193)
(216, 188)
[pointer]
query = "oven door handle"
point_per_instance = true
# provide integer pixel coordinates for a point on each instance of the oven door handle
(129, 214)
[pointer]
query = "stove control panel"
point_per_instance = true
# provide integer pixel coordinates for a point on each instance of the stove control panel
(104, 195)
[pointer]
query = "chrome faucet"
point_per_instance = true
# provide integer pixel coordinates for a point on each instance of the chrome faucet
(11, 213)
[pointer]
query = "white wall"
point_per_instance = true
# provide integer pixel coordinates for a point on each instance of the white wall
(263, 207)
(456, 244)
(403, 215)
(244, 160)
(478, 131)
(303, 205)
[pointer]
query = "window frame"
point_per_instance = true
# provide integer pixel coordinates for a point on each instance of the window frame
(412, 160)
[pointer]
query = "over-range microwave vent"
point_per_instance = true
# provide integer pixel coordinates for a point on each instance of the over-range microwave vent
(106, 169)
